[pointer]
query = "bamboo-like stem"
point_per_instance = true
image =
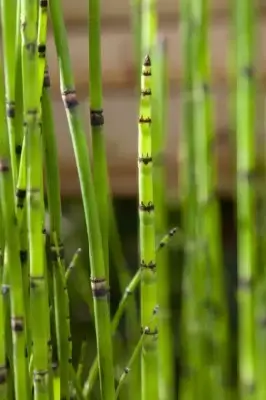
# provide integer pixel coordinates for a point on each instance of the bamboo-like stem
(190, 338)
(159, 118)
(128, 292)
(209, 219)
(149, 366)
(12, 251)
(3, 364)
(61, 303)
(9, 36)
(34, 199)
(245, 144)
(98, 276)
(100, 174)
(148, 27)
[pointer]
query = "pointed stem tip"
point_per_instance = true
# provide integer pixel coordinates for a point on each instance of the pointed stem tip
(147, 61)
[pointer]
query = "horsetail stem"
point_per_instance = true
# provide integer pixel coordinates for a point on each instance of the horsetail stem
(12, 252)
(245, 120)
(3, 358)
(100, 176)
(128, 292)
(34, 198)
(159, 117)
(9, 36)
(64, 338)
(98, 277)
(41, 41)
(72, 264)
(190, 349)
(147, 237)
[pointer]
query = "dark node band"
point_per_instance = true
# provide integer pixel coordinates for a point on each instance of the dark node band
(69, 338)
(248, 71)
(97, 118)
(23, 254)
(35, 281)
(70, 99)
(10, 109)
(151, 265)
(147, 331)
(46, 78)
(145, 160)
(5, 289)
(40, 375)
(245, 284)
(18, 149)
(43, 3)
(262, 321)
(206, 88)
(147, 61)
(126, 370)
(57, 252)
(54, 365)
(32, 112)
(251, 176)
(4, 165)
(146, 92)
(99, 287)
(31, 47)
(17, 324)
(146, 207)
(144, 120)
(3, 374)
(21, 194)
(70, 360)
(146, 73)
(42, 50)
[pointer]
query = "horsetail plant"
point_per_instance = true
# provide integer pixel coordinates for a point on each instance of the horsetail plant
(9, 36)
(149, 365)
(34, 198)
(98, 273)
(245, 145)
(97, 121)
(12, 252)
(128, 292)
(208, 225)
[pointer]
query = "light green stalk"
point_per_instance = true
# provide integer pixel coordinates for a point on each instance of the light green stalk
(134, 356)
(34, 198)
(12, 251)
(208, 227)
(9, 28)
(100, 174)
(159, 117)
(129, 292)
(149, 365)
(61, 300)
(190, 325)
(3, 366)
(136, 19)
(148, 26)
(98, 273)
(245, 196)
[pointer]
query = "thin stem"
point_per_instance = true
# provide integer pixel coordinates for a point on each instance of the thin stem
(98, 272)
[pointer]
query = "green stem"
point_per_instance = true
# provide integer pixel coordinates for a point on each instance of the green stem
(98, 272)
(100, 175)
(149, 356)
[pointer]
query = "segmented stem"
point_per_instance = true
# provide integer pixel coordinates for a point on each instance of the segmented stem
(147, 238)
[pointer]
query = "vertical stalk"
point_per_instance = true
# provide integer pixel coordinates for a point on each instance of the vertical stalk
(190, 383)
(100, 175)
(209, 224)
(12, 251)
(9, 28)
(34, 198)
(61, 304)
(245, 195)
(149, 367)
(159, 118)
(98, 273)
